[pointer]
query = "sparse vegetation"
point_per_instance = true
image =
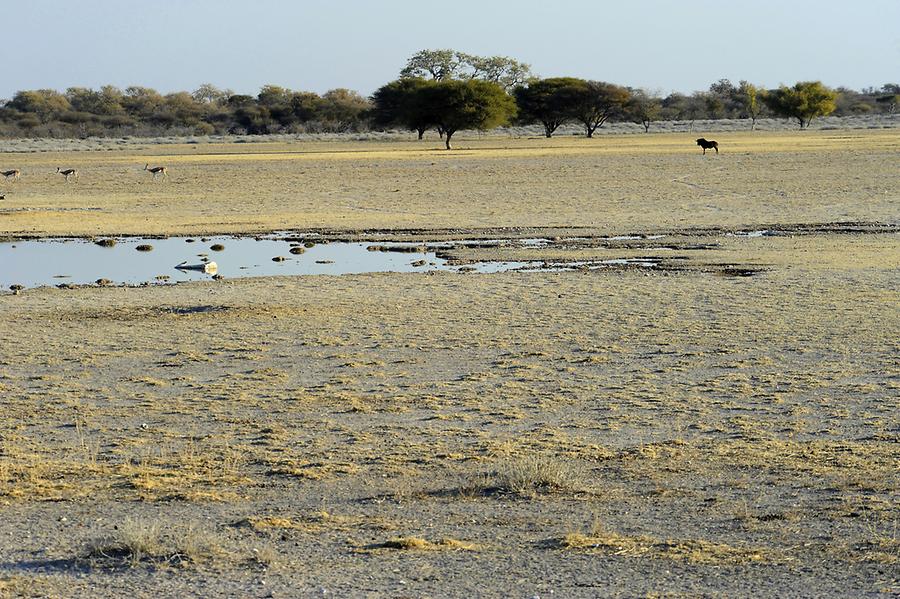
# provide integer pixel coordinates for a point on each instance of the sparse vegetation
(314, 430)
(135, 543)
(531, 476)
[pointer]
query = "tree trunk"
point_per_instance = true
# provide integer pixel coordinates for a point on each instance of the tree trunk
(447, 136)
(421, 132)
(646, 124)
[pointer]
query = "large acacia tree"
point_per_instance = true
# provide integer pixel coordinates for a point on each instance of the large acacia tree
(804, 101)
(453, 105)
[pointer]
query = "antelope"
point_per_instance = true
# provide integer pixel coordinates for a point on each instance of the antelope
(14, 174)
(69, 172)
(707, 144)
(156, 170)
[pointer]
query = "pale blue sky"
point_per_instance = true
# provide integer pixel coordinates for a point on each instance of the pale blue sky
(317, 45)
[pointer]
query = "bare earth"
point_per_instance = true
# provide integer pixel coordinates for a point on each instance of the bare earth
(723, 425)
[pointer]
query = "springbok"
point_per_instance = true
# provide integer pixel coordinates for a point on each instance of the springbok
(14, 174)
(156, 170)
(69, 172)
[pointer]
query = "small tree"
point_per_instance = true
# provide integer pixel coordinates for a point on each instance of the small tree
(643, 108)
(752, 101)
(454, 105)
(342, 108)
(724, 99)
(804, 101)
(209, 94)
(399, 103)
(592, 103)
(545, 101)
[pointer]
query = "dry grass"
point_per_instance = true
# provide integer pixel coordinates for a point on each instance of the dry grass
(136, 543)
(529, 476)
(26, 586)
(420, 544)
(602, 541)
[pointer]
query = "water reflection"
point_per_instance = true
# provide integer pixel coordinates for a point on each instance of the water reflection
(81, 261)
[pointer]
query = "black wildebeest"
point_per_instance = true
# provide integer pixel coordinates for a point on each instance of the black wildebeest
(707, 144)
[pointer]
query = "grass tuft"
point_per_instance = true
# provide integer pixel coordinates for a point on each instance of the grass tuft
(529, 476)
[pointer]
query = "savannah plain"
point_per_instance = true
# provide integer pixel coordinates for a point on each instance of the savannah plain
(724, 424)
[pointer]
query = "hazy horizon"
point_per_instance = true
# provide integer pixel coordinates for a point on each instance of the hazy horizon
(317, 46)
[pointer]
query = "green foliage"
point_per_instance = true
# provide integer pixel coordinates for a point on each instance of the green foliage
(502, 70)
(45, 104)
(342, 108)
(592, 103)
(82, 112)
(211, 95)
(752, 99)
(546, 101)
(454, 105)
(399, 103)
(435, 64)
(443, 65)
(804, 101)
(643, 107)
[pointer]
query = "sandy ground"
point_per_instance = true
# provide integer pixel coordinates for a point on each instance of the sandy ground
(681, 432)
(617, 184)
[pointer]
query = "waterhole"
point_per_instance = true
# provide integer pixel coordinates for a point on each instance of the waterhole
(135, 261)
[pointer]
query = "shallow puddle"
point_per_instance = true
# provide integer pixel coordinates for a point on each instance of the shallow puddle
(130, 260)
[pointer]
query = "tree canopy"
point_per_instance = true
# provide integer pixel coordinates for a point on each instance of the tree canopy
(804, 101)
(399, 104)
(442, 65)
(453, 105)
(592, 103)
(545, 101)
(552, 102)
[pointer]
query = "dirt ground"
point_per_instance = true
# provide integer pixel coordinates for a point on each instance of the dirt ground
(724, 425)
